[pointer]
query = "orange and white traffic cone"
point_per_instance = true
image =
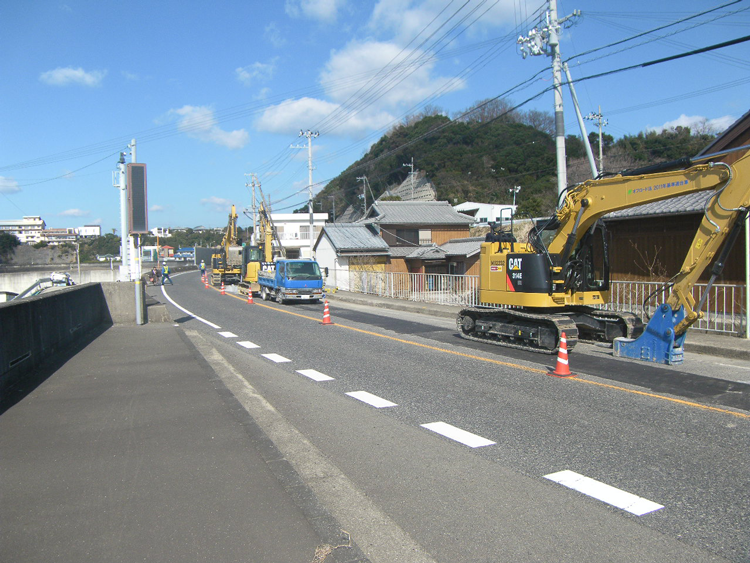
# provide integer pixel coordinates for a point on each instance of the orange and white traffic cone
(205, 280)
(223, 291)
(562, 369)
(250, 298)
(326, 314)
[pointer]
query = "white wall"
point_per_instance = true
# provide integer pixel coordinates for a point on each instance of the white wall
(338, 267)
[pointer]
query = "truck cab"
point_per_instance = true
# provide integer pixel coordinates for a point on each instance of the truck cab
(292, 280)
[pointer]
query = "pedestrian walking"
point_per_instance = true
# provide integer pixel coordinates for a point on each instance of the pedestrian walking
(165, 275)
(203, 268)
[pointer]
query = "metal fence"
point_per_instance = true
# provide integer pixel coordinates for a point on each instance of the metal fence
(724, 311)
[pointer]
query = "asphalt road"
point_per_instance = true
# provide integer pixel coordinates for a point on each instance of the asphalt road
(384, 384)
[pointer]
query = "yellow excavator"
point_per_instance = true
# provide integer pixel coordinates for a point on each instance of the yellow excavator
(226, 262)
(256, 258)
(554, 282)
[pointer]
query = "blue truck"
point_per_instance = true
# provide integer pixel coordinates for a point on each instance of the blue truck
(291, 280)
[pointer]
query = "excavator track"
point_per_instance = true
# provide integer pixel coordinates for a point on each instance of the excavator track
(515, 328)
(605, 325)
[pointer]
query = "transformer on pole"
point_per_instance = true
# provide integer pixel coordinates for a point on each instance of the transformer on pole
(546, 41)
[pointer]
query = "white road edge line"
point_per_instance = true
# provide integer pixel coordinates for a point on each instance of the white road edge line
(462, 436)
(370, 399)
(276, 358)
(248, 344)
(603, 492)
(314, 375)
(196, 317)
(228, 334)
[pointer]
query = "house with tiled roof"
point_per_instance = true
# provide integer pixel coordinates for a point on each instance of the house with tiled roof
(649, 242)
(341, 247)
(403, 237)
(413, 228)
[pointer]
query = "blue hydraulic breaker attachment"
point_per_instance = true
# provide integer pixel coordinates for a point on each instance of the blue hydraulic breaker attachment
(658, 342)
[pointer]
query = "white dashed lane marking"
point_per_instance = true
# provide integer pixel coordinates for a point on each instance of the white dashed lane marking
(276, 358)
(462, 436)
(314, 375)
(371, 399)
(248, 344)
(228, 334)
(603, 492)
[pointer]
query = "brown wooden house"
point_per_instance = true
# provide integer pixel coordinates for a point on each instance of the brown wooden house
(649, 242)
(414, 232)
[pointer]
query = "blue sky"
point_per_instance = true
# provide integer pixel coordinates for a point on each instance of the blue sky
(212, 91)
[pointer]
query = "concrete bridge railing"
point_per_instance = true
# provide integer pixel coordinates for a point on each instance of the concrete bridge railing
(36, 328)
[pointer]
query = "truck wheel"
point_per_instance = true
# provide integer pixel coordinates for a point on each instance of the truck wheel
(264, 294)
(280, 298)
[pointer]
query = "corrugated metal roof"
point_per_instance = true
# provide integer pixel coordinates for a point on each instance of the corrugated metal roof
(684, 204)
(463, 246)
(416, 213)
(354, 237)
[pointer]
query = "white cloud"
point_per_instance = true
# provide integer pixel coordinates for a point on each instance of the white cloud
(157, 208)
(262, 94)
(130, 76)
(291, 115)
(697, 124)
(363, 60)
(273, 35)
(8, 185)
(217, 203)
(68, 75)
(199, 122)
(358, 58)
(74, 213)
(321, 10)
(256, 72)
(405, 20)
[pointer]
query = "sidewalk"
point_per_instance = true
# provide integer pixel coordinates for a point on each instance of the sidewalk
(134, 451)
(696, 342)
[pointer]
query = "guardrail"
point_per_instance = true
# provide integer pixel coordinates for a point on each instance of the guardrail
(724, 311)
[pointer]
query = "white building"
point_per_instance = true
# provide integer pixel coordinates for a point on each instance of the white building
(485, 213)
(28, 230)
(89, 231)
(161, 232)
(294, 231)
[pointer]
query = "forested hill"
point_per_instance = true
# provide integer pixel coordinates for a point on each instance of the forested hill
(481, 159)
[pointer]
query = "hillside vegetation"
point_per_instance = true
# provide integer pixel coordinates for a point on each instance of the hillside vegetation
(481, 156)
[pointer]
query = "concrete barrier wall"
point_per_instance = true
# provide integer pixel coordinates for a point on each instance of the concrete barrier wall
(18, 281)
(35, 328)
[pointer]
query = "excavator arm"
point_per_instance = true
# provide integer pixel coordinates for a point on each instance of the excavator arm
(724, 213)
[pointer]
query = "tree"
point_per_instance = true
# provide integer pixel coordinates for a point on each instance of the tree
(483, 111)
(8, 244)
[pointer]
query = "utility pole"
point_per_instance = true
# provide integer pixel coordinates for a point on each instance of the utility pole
(363, 179)
(252, 184)
(514, 190)
(546, 41)
(310, 135)
(599, 118)
(411, 174)
(333, 207)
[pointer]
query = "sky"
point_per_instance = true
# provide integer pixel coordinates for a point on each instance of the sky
(215, 91)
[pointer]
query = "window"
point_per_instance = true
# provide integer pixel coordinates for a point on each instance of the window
(407, 237)
(425, 236)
